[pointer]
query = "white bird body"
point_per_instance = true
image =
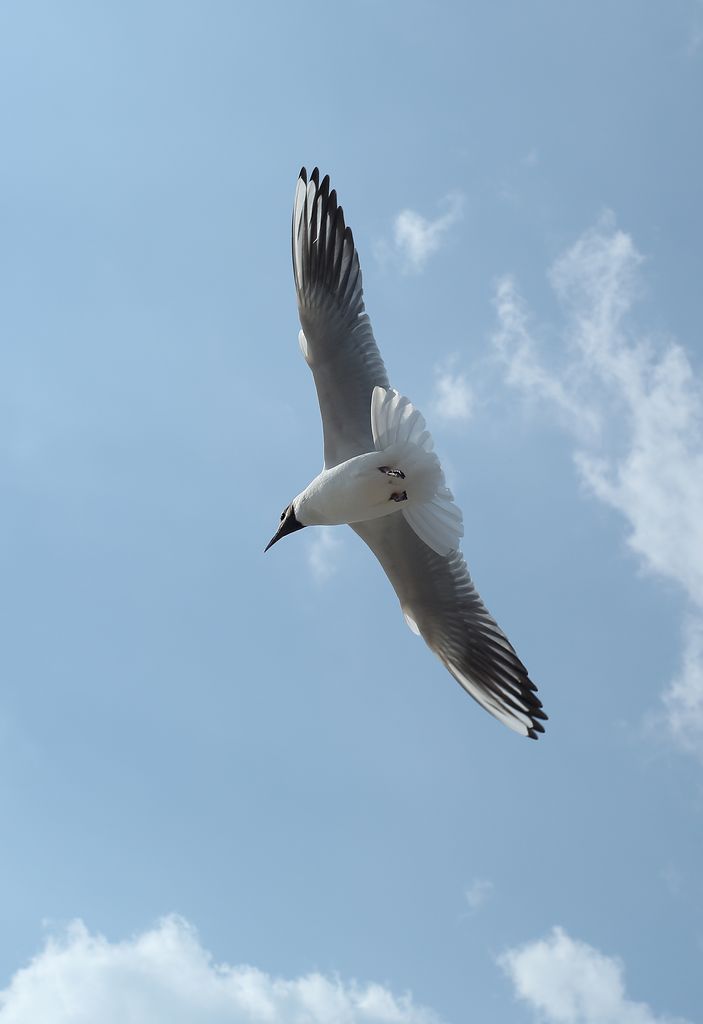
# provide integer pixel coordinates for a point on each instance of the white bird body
(359, 489)
(352, 492)
(389, 480)
(381, 475)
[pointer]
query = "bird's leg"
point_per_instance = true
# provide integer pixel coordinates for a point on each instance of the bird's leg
(395, 474)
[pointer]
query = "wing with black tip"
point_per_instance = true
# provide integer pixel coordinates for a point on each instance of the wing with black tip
(336, 340)
(440, 602)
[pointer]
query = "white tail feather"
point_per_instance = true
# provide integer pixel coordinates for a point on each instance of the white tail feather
(395, 420)
(399, 428)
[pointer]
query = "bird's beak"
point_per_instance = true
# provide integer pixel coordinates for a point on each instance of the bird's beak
(289, 525)
(277, 536)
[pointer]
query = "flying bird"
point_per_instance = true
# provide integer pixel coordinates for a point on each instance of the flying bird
(381, 475)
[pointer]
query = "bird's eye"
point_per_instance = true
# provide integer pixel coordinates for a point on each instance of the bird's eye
(283, 515)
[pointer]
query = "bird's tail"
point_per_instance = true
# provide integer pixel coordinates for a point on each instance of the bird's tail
(399, 429)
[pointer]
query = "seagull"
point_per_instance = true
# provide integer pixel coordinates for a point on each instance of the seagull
(381, 475)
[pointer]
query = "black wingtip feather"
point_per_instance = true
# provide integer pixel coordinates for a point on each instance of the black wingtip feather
(327, 258)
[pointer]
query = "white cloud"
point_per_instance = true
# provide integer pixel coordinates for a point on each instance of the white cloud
(324, 552)
(515, 345)
(478, 892)
(570, 982)
(453, 397)
(164, 976)
(683, 700)
(415, 238)
(636, 408)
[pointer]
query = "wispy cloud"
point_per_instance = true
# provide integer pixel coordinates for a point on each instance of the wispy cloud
(478, 893)
(569, 982)
(164, 975)
(673, 879)
(416, 239)
(694, 43)
(636, 409)
(683, 700)
(453, 397)
(324, 552)
(518, 350)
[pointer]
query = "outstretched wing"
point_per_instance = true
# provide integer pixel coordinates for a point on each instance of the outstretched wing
(440, 603)
(336, 340)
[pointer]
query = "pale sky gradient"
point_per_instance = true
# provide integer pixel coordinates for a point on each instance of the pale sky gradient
(236, 788)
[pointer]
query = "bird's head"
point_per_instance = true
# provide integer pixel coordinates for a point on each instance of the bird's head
(288, 524)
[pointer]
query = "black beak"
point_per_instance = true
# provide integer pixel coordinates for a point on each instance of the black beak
(277, 536)
(289, 525)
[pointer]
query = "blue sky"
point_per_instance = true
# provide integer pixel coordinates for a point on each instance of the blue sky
(236, 788)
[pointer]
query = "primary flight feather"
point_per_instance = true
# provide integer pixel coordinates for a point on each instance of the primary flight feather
(381, 475)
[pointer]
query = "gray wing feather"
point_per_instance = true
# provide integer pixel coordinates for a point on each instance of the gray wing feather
(340, 347)
(437, 593)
